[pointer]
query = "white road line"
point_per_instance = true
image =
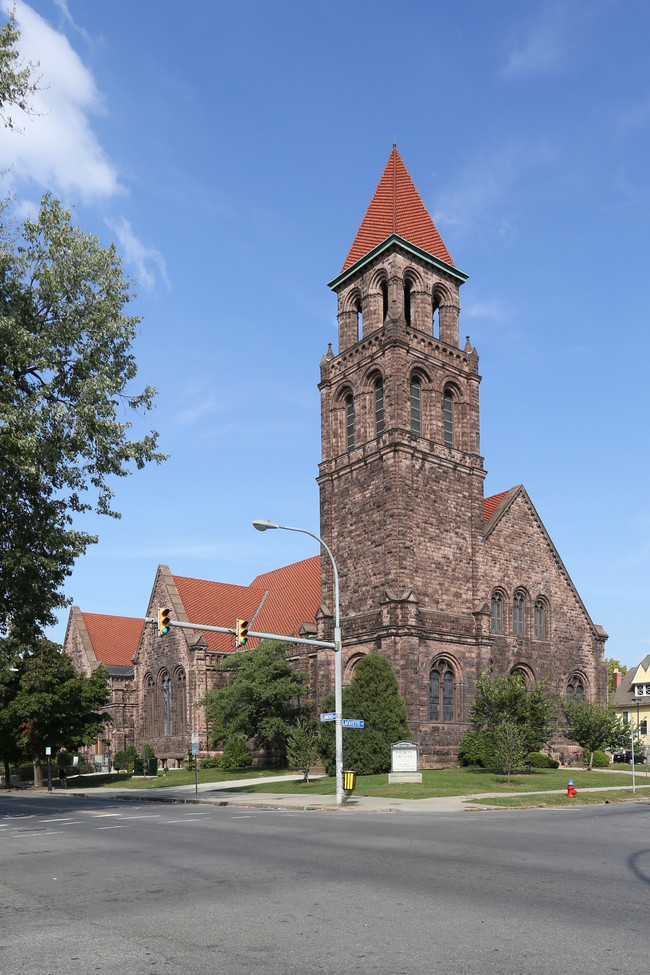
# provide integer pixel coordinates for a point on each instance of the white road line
(111, 827)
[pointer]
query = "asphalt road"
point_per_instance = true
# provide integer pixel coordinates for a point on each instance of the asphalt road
(103, 886)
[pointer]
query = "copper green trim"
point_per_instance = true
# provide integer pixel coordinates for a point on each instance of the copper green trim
(406, 245)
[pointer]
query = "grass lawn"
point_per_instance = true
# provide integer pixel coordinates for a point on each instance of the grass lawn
(452, 782)
(553, 799)
(124, 780)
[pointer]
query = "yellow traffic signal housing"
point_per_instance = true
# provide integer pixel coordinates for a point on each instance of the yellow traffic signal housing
(163, 622)
(241, 632)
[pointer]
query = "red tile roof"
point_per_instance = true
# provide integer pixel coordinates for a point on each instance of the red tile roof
(397, 208)
(491, 504)
(294, 597)
(114, 638)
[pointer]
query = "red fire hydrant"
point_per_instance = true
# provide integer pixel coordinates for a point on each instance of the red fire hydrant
(571, 790)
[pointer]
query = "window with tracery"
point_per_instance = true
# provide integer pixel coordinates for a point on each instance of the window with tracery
(497, 615)
(575, 689)
(518, 614)
(441, 691)
(180, 704)
(540, 620)
(416, 406)
(149, 707)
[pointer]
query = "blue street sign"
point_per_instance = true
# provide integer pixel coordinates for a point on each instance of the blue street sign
(330, 716)
(352, 723)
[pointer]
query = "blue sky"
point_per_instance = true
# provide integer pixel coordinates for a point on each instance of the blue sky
(231, 150)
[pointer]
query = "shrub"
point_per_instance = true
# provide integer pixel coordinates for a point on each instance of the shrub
(472, 749)
(540, 760)
(147, 752)
(235, 754)
(120, 761)
(214, 762)
(64, 758)
(600, 760)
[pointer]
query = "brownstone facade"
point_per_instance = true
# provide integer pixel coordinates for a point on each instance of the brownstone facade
(443, 582)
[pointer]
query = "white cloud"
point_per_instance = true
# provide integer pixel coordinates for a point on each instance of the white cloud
(543, 51)
(137, 255)
(484, 196)
(57, 149)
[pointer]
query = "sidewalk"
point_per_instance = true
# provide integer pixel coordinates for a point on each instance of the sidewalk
(210, 794)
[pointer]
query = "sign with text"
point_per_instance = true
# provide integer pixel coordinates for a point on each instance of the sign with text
(329, 716)
(404, 756)
(352, 723)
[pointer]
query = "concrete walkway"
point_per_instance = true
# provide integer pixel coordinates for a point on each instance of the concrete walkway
(210, 793)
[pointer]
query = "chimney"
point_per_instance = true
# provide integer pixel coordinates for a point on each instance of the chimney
(617, 677)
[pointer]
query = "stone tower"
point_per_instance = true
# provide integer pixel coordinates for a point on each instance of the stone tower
(401, 477)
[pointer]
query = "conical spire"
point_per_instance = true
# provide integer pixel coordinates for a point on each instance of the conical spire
(396, 208)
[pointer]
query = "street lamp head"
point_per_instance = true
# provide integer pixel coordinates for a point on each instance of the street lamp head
(262, 525)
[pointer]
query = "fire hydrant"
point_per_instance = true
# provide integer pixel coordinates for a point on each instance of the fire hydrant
(571, 790)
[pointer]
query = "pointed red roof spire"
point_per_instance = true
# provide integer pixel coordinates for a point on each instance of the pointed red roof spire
(397, 208)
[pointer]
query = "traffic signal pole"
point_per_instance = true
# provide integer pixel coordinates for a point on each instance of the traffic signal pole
(323, 644)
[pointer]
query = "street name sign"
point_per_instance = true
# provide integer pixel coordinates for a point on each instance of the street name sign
(352, 723)
(329, 716)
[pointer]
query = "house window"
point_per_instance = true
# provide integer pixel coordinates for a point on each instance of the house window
(379, 406)
(448, 418)
(496, 613)
(441, 692)
(540, 622)
(643, 726)
(625, 717)
(575, 690)
(416, 406)
(518, 615)
(349, 421)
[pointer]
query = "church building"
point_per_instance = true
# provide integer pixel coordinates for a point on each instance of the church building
(441, 580)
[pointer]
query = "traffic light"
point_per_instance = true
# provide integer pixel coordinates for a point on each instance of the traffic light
(241, 632)
(163, 622)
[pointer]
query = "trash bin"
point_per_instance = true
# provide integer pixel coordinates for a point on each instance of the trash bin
(138, 766)
(349, 781)
(152, 766)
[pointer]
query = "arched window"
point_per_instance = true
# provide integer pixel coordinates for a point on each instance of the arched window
(448, 418)
(497, 615)
(384, 300)
(359, 312)
(540, 620)
(166, 702)
(441, 692)
(435, 328)
(416, 406)
(349, 421)
(180, 703)
(575, 689)
(379, 405)
(149, 707)
(518, 614)
(407, 302)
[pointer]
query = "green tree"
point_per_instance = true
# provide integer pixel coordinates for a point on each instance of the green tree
(120, 761)
(373, 696)
(508, 745)
(612, 665)
(16, 81)
(66, 370)
(259, 701)
(504, 703)
(302, 746)
(10, 749)
(54, 705)
(595, 727)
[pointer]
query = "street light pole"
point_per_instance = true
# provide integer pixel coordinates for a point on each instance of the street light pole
(262, 526)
